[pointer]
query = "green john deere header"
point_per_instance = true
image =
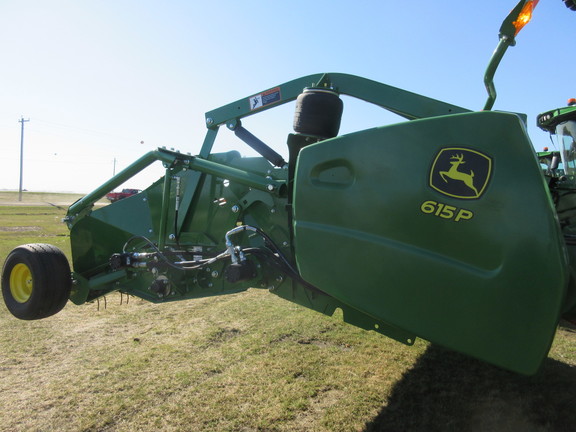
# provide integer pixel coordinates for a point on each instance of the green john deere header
(445, 226)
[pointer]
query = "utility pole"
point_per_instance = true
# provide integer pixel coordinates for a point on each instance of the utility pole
(21, 155)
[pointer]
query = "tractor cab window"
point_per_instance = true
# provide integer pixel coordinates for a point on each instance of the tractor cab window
(566, 135)
(551, 163)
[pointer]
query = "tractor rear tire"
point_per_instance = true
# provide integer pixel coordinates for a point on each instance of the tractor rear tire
(36, 281)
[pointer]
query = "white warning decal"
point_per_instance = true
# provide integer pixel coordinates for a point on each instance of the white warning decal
(265, 98)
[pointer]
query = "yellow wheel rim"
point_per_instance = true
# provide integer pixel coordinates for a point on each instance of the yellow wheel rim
(21, 283)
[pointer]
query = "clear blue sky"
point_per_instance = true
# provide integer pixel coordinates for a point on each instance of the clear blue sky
(96, 78)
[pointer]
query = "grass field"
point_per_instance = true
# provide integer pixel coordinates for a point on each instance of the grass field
(248, 362)
(38, 197)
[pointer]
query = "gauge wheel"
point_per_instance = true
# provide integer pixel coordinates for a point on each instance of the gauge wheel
(36, 281)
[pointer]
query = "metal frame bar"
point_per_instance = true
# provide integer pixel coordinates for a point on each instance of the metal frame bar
(402, 102)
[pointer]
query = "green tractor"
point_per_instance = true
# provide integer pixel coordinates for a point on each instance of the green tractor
(468, 245)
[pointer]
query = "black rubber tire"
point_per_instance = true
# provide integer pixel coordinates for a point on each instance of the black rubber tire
(47, 282)
(570, 4)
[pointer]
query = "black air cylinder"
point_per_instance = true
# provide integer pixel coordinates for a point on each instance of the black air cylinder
(318, 113)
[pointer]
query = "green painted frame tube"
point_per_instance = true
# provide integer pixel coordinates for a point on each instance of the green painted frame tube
(508, 31)
(165, 207)
(83, 286)
(249, 179)
(121, 177)
(402, 102)
(491, 70)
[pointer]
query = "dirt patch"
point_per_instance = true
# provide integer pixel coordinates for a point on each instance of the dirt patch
(20, 229)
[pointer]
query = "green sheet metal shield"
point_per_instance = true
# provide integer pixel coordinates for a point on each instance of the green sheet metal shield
(442, 227)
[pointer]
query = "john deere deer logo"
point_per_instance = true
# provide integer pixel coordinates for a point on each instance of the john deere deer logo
(454, 174)
(460, 172)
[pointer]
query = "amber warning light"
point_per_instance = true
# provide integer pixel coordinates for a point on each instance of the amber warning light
(525, 15)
